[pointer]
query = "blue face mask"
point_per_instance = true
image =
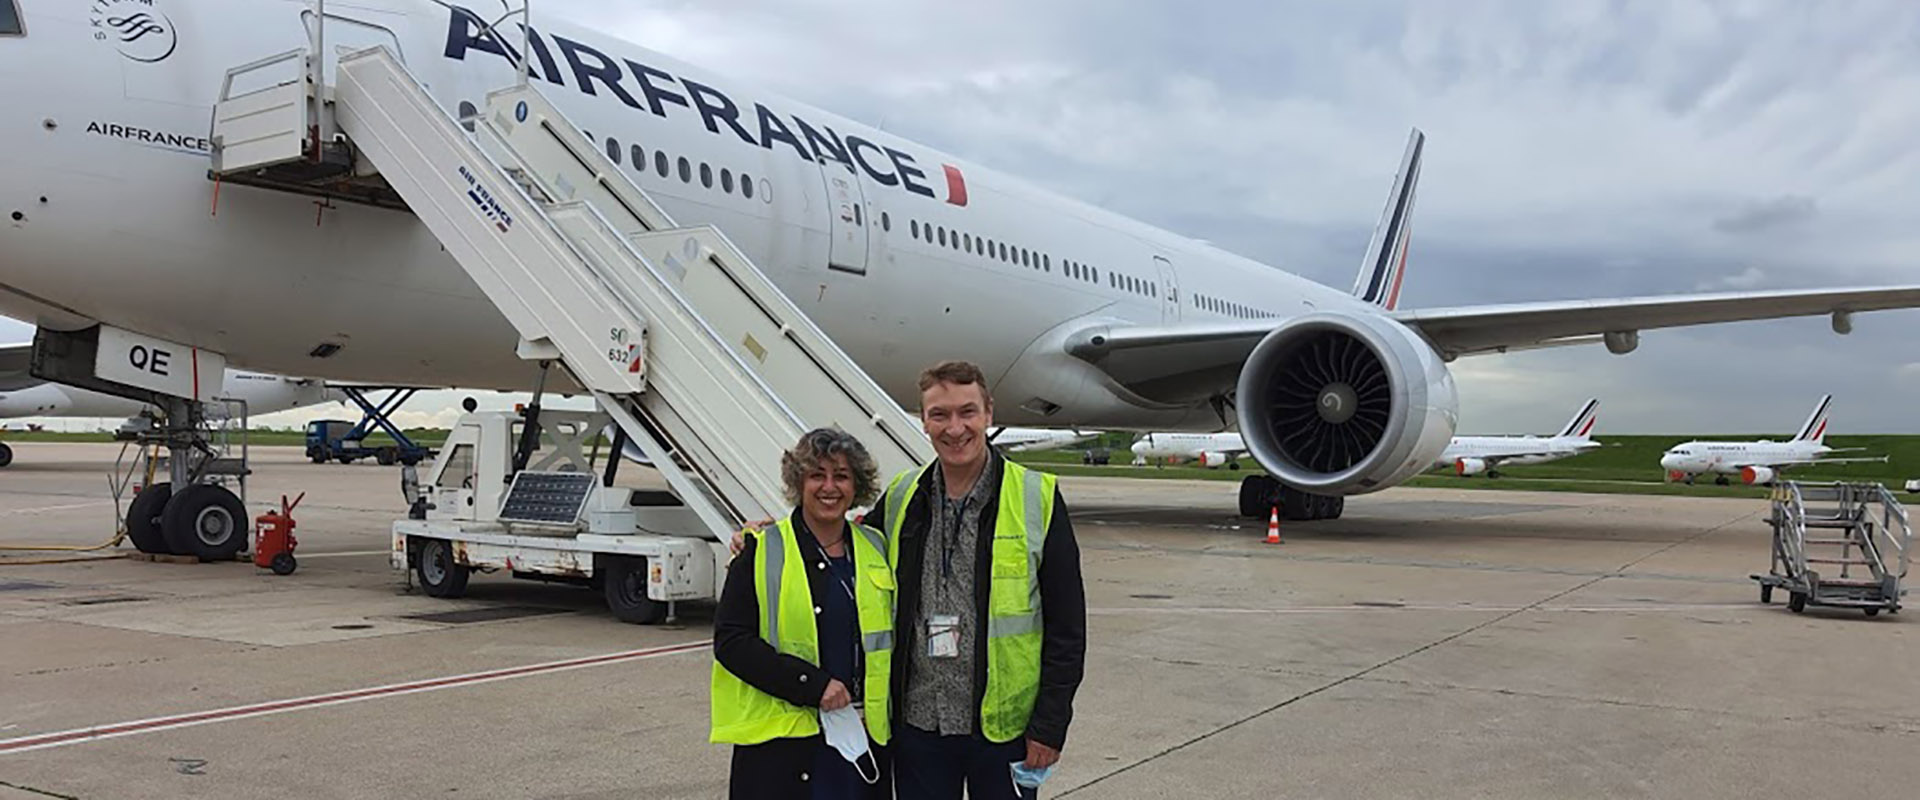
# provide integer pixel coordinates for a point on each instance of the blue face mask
(1026, 777)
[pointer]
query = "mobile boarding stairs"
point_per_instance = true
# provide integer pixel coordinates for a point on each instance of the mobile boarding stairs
(687, 346)
(1838, 544)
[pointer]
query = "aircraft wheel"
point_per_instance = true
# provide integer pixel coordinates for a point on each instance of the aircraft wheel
(205, 521)
(6, 454)
(1230, 465)
(143, 519)
(1296, 505)
(1336, 505)
(1721, 481)
(1257, 495)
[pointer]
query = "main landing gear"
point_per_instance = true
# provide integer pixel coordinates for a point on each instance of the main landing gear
(1260, 493)
(203, 517)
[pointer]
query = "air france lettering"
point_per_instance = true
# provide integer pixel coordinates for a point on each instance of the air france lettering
(484, 203)
(641, 87)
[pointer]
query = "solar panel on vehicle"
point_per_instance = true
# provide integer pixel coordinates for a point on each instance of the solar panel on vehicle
(551, 498)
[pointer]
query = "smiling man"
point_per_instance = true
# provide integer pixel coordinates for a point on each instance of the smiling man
(981, 547)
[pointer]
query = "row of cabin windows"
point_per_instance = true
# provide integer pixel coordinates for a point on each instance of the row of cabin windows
(979, 246)
(1229, 308)
(666, 166)
(1019, 256)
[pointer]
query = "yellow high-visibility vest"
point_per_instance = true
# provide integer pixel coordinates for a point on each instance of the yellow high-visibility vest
(1013, 598)
(745, 715)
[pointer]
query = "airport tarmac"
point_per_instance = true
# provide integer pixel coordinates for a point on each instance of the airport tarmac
(1433, 643)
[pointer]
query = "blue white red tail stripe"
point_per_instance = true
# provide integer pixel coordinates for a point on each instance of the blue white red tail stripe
(1383, 271)
(1582, 423)
(1816, 427)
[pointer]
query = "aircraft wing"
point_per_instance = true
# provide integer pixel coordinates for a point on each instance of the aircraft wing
(1481, 329)
(1189, 362)
(14, 362)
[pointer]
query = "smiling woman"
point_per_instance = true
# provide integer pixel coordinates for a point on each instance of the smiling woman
(10, 19)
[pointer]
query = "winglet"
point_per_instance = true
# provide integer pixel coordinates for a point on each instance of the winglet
(1386, 263)
(1581, 426)
(1816, 428)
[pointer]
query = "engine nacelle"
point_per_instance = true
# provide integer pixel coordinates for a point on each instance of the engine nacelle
(1753, 475)
(1211, 460)
(1338, 404)
(1469, 466)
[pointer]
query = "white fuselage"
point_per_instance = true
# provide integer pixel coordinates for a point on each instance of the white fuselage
(1020, 440)
(1514, 450)
(103, 169)
(263, 394)
(1175, 446)
(1728, 458)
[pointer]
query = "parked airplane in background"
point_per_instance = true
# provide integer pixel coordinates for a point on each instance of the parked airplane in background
(1206, 449)
(24, 396)
(110, 230)
(1761, 461)
(1472, 455)
(1021, 440)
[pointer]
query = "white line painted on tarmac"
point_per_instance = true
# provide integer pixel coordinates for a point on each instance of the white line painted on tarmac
(96, 733)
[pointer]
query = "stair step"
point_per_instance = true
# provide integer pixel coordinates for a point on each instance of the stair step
(1812, 540)
(1831, 523)
(1856, 561)
(1847, 584)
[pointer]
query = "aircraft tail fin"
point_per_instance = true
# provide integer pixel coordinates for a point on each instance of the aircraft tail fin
(1386, 262)
(1581, 426)
(1816, 428)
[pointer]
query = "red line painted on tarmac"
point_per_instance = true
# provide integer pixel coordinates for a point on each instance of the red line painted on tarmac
(81, 735)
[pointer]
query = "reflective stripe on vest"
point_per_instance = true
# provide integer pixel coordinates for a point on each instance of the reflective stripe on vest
(742, 714)
(1013, 628)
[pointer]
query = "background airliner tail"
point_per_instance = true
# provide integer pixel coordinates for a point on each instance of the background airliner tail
(1816, 428)
(1386, 262)
(1581, 426)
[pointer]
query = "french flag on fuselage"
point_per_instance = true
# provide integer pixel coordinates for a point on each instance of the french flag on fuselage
(1385, 266)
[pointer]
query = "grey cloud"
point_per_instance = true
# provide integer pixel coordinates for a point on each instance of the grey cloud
(1767, 215)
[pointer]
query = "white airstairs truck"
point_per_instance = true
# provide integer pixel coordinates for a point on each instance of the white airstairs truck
(687, 348)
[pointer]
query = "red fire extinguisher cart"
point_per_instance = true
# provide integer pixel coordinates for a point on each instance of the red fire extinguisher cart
(273, 541)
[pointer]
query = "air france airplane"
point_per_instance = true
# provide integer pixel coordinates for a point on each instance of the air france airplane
(1758, 462)
(1206, 449)
(1023, 440)
(1473, 455)
(905, 255)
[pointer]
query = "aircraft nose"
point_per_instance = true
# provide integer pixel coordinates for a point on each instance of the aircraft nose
(1139, 448)
(1670, 461)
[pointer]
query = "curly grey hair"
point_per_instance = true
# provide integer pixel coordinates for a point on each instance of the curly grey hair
(820, 444)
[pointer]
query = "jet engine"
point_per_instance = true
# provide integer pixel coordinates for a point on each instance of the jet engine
(1469, 466)
(1756, 475)
(1337, 404)
(1211, 459)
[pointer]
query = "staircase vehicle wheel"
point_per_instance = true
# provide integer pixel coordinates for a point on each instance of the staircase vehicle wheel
(1871, 612)
(1766, 593)
(1797, 602)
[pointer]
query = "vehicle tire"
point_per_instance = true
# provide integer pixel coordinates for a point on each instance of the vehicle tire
(6, 454)
(386, 456)
(439, 574)
(344, 460)
(1797, 602)
(1336, 506)
(143, 519)
(1871, 612)
(205, 521)
(283, 564)
(318, 459)
(625, 588)
(1296, 505)
(1766, 594)
(411, 461)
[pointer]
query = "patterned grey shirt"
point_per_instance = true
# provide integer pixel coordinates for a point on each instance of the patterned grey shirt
(940, 696)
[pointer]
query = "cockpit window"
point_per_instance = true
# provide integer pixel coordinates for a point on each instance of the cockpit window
(10, 19)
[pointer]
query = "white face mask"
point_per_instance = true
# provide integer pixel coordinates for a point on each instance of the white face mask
(847, 734)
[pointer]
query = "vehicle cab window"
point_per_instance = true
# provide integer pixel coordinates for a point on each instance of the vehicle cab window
(10, 19)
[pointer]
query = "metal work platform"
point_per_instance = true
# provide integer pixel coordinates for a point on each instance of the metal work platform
(1857, 533)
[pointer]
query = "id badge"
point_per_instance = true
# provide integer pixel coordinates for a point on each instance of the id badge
(943, 636)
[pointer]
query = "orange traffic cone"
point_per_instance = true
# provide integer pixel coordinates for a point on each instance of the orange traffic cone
(1273, 527)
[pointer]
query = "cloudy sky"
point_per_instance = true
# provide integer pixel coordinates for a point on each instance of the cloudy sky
(1575, 149)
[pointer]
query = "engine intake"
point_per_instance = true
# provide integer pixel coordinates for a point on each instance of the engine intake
(1338, 403)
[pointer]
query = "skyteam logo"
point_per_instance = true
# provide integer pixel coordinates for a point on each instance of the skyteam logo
(484, 203)
(136, 28)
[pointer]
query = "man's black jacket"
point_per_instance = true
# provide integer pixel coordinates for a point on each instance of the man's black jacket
(1063, 607)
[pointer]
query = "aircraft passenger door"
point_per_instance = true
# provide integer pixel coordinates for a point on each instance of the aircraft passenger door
(1169, 290)
(847, 223)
